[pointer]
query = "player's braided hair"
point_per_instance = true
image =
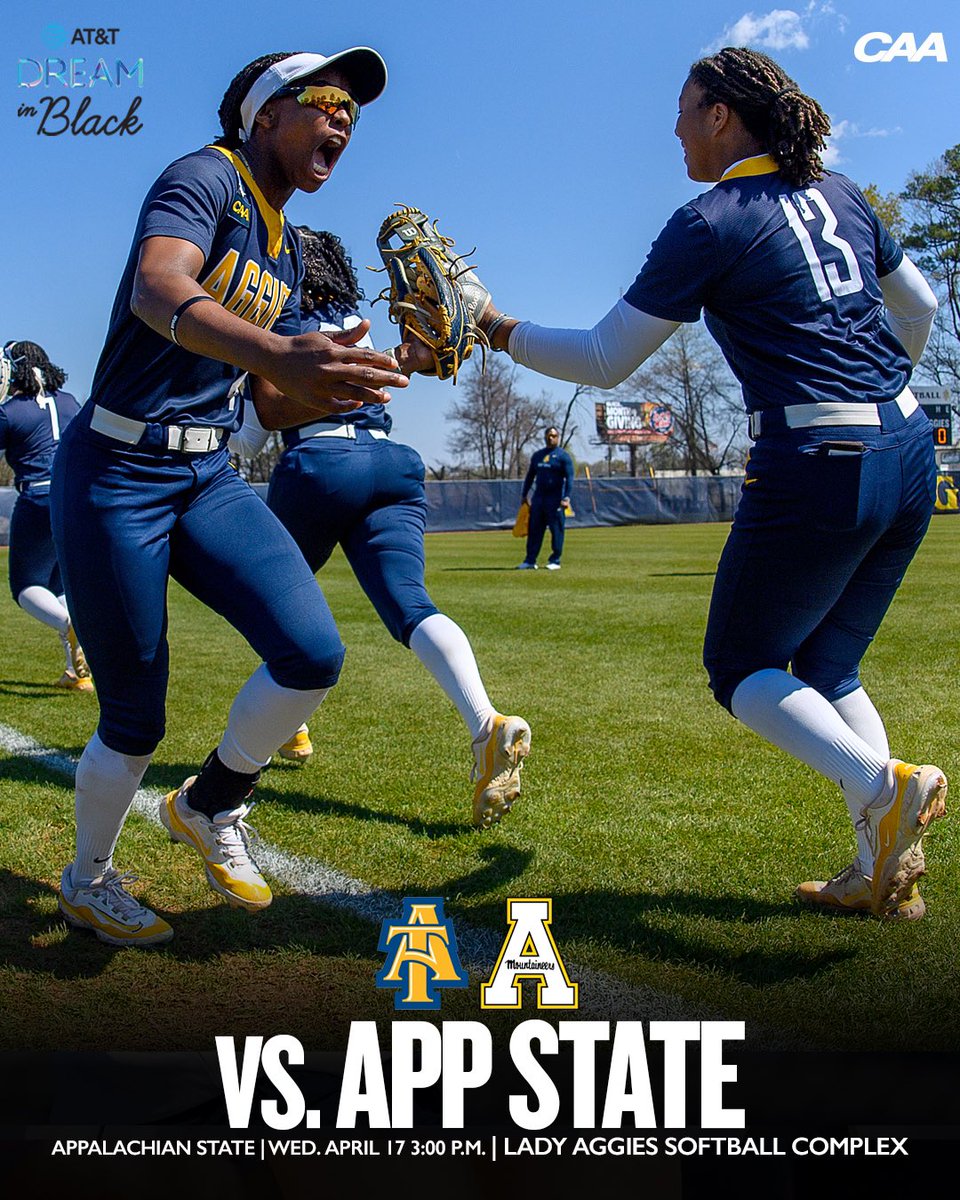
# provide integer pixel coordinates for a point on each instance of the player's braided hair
(791, 125)
(26, 356)
(234, 96)
(329, 278)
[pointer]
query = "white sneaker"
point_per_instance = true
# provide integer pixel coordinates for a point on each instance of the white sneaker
(498, 760)
(105, 906)
(223, 844)
(525, 566)
(916, 796)
(553, 566)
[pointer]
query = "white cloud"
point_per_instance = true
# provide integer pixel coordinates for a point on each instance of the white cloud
(832, 156)
(781, 29)
(846, 131)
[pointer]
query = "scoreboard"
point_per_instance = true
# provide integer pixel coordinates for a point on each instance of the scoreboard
(941, 418)
(935, 402)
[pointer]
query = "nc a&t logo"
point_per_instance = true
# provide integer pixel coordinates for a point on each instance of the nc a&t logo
(422, 954)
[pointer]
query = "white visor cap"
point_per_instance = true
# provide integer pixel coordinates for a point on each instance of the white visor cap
(365, 68)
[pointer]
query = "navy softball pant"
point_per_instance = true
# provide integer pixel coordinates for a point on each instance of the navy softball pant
(368, 495)
(828, 522)
(33, 556)
(126, 519)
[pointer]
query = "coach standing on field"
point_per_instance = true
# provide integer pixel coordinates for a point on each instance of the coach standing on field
(551, 469)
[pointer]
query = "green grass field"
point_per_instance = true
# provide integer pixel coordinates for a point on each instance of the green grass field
(669, 837)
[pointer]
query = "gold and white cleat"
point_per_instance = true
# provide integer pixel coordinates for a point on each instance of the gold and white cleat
(916, 797)
(223, 844)
(299, 748)
(105, 906)
(498, 761)
(852, 891)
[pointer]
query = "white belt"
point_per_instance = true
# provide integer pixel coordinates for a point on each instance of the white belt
(807, 416)
(188, 439)
(334, 429)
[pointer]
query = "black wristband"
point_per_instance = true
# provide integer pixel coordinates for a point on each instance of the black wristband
(179, 313)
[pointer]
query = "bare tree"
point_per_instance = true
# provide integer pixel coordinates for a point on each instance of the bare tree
(568, 431)
(689, 374)
(494, 423)
(933, 234)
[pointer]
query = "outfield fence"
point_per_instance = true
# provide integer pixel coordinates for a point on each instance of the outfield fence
(466, 504)
(493, 503)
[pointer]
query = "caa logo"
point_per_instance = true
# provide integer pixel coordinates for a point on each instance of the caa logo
(881, 47)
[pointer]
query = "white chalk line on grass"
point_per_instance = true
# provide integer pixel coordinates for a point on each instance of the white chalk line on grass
(602, 996)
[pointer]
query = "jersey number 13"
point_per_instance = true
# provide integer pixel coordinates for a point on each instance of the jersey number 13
(826, 276)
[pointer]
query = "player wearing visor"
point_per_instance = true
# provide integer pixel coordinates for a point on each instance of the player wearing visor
(144, 490)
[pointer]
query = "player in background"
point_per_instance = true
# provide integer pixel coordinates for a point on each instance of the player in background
(551, 469)
(34, 413)
(143, 486)
(822, 318)
(344, 480)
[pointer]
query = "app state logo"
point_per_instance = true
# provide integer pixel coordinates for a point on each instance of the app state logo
(422, 955)
(529, 951)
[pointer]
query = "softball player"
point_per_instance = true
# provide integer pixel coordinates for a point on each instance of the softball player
(34, 412)
(821, 318)
(344, 480)
(143, 488)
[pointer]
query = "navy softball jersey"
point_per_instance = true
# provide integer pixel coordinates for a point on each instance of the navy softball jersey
(788, 282)
(252, 267)
(126, 517)
(30, 429)
(364, 492)
(831, 514)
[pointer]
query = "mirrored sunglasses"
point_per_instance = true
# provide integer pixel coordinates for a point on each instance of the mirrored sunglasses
(327, 99)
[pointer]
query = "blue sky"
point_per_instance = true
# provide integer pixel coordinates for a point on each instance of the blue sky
(540, 132)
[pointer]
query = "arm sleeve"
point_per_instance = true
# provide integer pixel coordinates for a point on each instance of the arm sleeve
(600, 357)
(911, 307)
(4, 427)
(187, 201)
(670, 289)
(251, 437)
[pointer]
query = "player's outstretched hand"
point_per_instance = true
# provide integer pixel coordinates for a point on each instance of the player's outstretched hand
(413, 356)
(331, 374)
